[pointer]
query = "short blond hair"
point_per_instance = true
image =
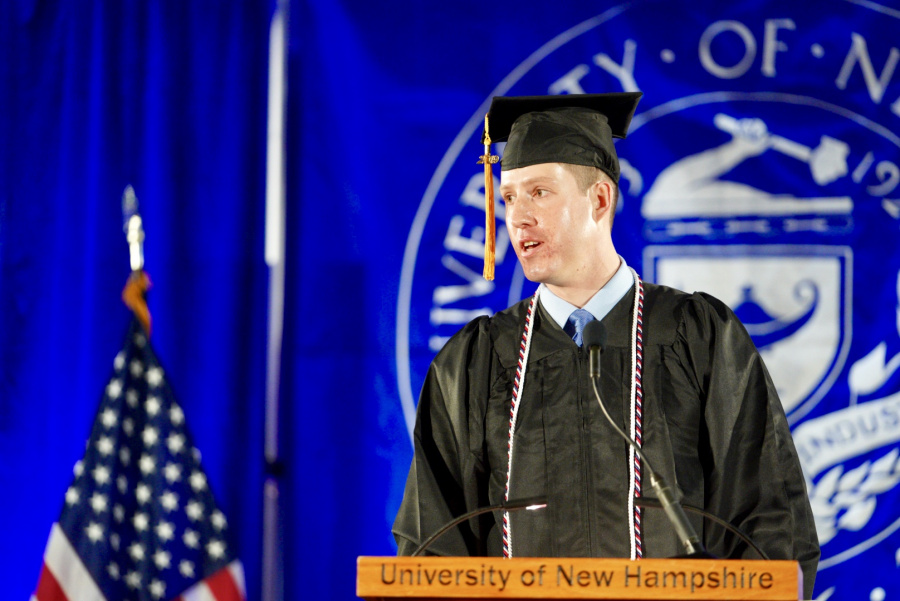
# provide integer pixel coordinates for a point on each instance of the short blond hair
(586, 176)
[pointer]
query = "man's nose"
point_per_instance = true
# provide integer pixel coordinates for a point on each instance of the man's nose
(520, 213)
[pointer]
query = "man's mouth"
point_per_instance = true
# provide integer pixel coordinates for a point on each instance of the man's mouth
(529, 246)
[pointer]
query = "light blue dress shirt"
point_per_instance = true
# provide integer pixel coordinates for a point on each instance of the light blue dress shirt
(599, 305)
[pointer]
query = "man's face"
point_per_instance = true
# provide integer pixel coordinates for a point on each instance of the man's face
(551, 223)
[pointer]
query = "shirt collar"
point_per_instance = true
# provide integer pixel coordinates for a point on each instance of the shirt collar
(600, 304)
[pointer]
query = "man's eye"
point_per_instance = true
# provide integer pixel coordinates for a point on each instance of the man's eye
(540, 193)
(508, 198)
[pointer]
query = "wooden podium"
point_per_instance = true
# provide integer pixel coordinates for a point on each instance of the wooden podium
(490, 578)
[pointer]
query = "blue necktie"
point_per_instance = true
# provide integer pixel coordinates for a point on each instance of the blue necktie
(575, 324)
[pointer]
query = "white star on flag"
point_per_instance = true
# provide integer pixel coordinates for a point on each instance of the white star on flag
(105, 445)
(191, 538)
(142, 493)
(154, 376)
(113, 570)
(175, 442)
(152, 406)
(165, 531)
(169, 501)
(176, 415)
(114, 389)
(215, 548)
(101, 474)
(108, 418)
(133, 579)
(119, 361)
(94, 532)
(194, 510)
(172, 472)
(98, 502)
(161, 559)
(72, 496)
(186, 568)
(136, 368)
(125, 456)
(150, 436)
(218, 519)
(136, 550)
(141, 521)
(148, 464)
(198, 481)
(131, 397)
(157, 589)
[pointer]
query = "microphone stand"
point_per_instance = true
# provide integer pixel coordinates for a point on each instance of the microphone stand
(594, 337)
(529, 503)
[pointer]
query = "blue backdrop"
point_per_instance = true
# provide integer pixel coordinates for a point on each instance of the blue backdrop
(762, 166)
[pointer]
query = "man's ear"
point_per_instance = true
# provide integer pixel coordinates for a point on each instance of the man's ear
(601, 198)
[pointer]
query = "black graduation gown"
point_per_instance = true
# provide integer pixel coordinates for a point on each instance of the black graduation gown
(713, 425)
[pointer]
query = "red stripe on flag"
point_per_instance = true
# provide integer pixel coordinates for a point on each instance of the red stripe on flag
(48, 588)
(223, 586)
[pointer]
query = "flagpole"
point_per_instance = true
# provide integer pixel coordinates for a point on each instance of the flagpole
(272, 560)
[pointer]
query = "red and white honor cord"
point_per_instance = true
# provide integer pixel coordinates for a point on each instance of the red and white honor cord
(637, 414)
(518, 385)
(637, 394)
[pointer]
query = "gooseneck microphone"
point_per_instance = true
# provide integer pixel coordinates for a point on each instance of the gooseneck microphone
(528, 503)
(594, 337)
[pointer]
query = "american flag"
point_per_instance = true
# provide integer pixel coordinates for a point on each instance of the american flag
(139, 520)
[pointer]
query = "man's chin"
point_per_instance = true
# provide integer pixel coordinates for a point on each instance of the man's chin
(535, 275)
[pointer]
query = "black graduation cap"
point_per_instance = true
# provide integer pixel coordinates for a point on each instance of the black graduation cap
(577, 129)
(570, 128)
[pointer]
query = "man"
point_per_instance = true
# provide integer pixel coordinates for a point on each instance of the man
(679, 373)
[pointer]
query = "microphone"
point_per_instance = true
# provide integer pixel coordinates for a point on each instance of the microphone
(527, 503)
(594, 337)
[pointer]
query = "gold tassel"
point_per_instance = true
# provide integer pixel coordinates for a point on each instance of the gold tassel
(490, 223)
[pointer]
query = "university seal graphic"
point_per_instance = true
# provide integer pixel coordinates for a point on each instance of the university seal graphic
(763, 167)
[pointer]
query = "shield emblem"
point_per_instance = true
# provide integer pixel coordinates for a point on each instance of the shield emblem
(793, 300)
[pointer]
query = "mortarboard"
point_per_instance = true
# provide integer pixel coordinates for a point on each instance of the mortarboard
(577, 129)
